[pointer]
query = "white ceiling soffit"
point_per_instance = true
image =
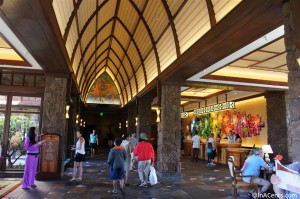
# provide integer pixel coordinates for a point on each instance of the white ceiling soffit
(242, 83)
(12, 38)
(271, 36)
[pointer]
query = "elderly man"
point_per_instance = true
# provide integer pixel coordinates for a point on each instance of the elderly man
(252, 167)
(275, 180)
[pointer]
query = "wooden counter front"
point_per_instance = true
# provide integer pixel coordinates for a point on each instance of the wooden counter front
(187, 147)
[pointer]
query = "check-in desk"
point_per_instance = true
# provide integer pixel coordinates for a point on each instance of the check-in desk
(187, 147)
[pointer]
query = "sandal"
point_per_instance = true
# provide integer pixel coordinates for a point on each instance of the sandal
(25, 188)
(33, 185)
(114, 192)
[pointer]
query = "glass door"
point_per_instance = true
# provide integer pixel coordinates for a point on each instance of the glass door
(25, 113)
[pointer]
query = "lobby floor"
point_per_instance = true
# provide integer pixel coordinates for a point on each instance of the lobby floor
(197, 181)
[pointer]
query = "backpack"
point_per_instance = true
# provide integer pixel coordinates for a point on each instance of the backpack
(209, 147)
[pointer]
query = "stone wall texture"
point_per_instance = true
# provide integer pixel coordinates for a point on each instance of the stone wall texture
(293, 102)
(144, 116)
(54, 121)
(131, 111)
(168, 143)
(277, 124)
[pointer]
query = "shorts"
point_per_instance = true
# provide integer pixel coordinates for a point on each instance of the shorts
(117, 174)
(79, 157)
(93, 145)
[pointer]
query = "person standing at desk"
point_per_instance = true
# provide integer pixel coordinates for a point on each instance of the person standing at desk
(231, 137)
(195, 146)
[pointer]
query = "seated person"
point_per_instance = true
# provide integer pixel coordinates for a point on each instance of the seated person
(252, 167)
(275, 180)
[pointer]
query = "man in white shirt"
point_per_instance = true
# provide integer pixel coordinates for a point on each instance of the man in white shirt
(196, 146)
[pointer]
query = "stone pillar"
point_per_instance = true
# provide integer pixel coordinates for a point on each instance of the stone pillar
(290, 26)
(53, 120)
(168, 143)
(144, 116)
(277, 123)
(131, 111)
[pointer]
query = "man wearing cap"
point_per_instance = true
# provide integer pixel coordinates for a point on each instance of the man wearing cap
(145, 156)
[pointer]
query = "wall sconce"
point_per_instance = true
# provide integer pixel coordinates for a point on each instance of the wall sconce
(298, 60)
(157, 115)
(77, 119)
(81, 120)
(84, 124)
(67, 111)
(126, 123)
(136, 121)
(120, 125)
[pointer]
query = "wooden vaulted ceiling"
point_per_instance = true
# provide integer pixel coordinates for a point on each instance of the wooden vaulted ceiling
(132, 40)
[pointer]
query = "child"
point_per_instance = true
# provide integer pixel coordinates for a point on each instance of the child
(210, 144)
(116, 161)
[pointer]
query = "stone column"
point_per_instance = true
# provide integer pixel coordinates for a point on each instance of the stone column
(168, 143)
(131, 111)
(144, 116)
(277, 123)
(53, 120)
(290, 26)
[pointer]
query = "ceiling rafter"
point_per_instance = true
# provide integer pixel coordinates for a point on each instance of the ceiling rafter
(90, 42)
(211, 13)
(96, 28)
(180, 8)
(74, 13)
(149, 33)
(134, 43)
(171, 22)
(113, 26)
(136, 46)
(87, 85)
(90, 58)
(85, 27)
(112, 50)
(95, 71)
(85, 93)
(121, 61)
(80, 44)
(95, 36)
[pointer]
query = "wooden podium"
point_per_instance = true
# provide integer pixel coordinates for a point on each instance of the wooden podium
(49, 158)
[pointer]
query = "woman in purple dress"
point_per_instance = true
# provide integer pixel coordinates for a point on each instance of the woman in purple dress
(31, 161)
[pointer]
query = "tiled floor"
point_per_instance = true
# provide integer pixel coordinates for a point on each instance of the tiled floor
(197, 181)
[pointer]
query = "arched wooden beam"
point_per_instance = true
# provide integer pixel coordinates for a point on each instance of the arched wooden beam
(171, 21)
(95, 36)
(86, 86)
(84, 28)
(112, 50)
(211, 13)
(149, 32)
(113, 26)
(137, 48)
(130, 62)
(87, 63)
(73, 14)
(87, 90)
(89, 78)
(90, 42)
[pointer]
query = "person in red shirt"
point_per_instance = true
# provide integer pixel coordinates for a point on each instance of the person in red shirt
(145, 156)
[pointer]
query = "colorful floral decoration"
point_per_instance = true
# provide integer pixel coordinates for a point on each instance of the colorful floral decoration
(245, 125)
